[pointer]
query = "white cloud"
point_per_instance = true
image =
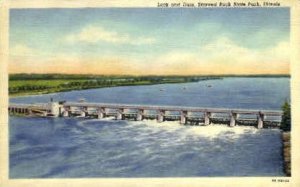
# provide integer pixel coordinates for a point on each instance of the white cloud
(228, 50)
(225, 56)
(21, 50)
(221, 56)
(93, 34)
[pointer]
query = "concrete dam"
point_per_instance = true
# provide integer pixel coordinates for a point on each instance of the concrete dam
(185, 115)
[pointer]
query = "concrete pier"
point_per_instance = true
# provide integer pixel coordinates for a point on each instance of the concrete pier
(260, 120)
(101, 113)
(232, 119)
(183, 117)
(82, 114)
(161, 116)
(139, 115)
(120, 115)
(54, 108)
(207, 118)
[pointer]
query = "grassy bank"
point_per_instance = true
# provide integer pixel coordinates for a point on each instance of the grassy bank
(32, 84)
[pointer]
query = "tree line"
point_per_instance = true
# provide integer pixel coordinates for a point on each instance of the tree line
(286, 117)
(92, 82)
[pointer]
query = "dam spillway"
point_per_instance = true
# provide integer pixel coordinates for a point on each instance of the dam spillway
(185, 115)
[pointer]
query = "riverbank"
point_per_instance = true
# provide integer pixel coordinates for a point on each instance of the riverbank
(37, 84)
(58, 89)
(22, 85)
(286, 141)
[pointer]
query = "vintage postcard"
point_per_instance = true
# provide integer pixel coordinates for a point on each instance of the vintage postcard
(159, 93)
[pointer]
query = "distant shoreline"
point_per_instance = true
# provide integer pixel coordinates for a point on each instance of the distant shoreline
(40, 87)
(87, 88)
(57, 75)
(39, 84)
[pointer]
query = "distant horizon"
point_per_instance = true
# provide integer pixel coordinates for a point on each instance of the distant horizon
(150, 41)
(148, 74)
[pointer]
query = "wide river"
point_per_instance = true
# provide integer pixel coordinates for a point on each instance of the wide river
(73, 147)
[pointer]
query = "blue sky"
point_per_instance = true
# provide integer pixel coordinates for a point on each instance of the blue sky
(163, 41)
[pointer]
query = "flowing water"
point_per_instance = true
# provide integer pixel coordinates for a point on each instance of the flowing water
(72, 147)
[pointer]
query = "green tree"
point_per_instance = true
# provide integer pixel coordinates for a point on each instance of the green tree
(286, 117)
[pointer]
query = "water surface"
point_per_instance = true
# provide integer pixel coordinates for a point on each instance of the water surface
(248, 93)
(69, 147)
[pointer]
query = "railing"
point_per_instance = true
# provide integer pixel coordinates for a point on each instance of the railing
(173, 108)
